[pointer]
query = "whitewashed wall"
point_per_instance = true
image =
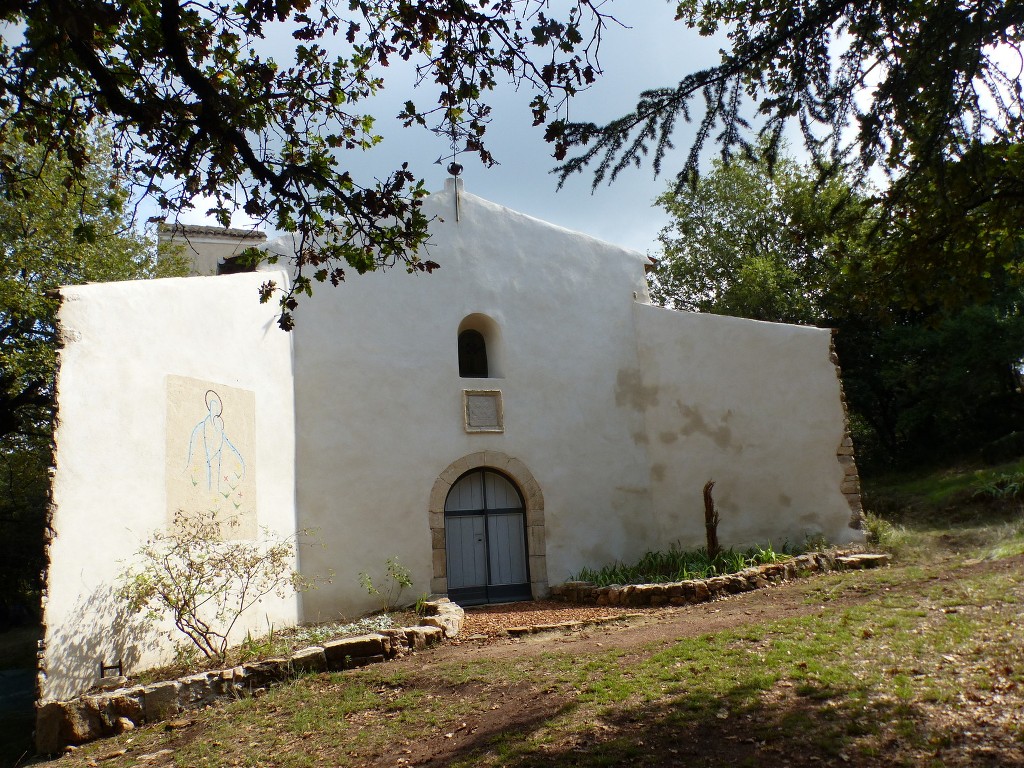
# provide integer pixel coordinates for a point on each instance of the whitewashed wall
(596, 385)
(754, 406)
(379, 398)
(121, 341)
(618, 410)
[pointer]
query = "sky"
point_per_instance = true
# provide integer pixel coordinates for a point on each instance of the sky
(651, 50)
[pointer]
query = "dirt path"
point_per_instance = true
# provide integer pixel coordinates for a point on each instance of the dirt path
(511, 707)
(522, 707)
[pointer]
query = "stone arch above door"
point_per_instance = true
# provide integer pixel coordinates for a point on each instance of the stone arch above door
(533, 500)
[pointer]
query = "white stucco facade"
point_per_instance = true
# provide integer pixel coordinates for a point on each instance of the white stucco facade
(614, 415)
(121, 343)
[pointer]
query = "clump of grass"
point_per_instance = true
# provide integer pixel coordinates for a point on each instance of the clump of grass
(1001, 487)
(888, 537)
(676, 564)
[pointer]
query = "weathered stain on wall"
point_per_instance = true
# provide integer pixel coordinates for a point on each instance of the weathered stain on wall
(694, 422)
(630, 391)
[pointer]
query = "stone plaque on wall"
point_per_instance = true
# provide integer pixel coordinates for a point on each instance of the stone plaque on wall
(211, 447)
(482, 410)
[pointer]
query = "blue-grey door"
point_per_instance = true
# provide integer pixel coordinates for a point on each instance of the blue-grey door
(485, 540)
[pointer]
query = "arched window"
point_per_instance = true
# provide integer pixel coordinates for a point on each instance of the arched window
(472, 355)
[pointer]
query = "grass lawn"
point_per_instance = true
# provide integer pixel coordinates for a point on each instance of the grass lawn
(918, 664)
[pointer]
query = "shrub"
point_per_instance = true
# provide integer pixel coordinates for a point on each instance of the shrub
(679, 565)
(1002, 487)
(1006, 448)
(204, 581)
(389, 589)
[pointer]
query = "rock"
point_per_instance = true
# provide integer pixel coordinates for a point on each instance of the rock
(307, 660)
(59, 723)
(342, 654)
(161, 700)
(432, 635)
(111, 683)
(260, 674)
(445, 615)
(415, 638)
(123, 724)
(863, 560)
(124, 705)
(362, 661)
(397, 642)
(152, 757)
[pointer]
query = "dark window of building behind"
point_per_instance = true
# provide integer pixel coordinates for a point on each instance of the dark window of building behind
(472, 355)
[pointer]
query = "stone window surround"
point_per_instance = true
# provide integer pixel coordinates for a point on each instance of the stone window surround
(468, 398)
(533, 501)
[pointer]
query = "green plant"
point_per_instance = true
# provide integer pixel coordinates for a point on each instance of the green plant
(396, 579)
(1002, 487)
(677, 564)
(814, 543)
(421, 604)
(205, 581)
(877, 531)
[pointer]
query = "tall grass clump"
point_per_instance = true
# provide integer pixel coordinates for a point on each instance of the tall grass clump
(677, 564)
(1001, 487)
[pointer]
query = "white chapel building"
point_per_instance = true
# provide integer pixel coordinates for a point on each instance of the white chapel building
(519, 414)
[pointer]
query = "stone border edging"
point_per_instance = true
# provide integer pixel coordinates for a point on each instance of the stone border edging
(704, 590)
(93, 716)
(569, 626)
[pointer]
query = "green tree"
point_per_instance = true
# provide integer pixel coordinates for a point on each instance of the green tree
(51, 234)
(921, 383)
(758, 242)
(196, 108)
(924, 92)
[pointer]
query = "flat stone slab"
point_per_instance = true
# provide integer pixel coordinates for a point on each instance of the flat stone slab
(864, 560)
(568, 626)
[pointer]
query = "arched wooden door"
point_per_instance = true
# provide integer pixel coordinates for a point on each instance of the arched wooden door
(485, 540)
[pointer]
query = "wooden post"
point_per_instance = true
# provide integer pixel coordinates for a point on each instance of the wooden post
(711, 521)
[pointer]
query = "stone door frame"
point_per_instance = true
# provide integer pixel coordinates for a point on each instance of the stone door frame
(533, 500)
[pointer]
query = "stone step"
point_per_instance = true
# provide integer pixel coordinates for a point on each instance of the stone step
(863, 560)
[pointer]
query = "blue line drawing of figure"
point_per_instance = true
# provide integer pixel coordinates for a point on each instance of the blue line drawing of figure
(210, 432)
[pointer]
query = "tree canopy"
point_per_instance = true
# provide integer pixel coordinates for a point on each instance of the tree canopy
(51, 234)
(925, 93)
(922, 382)
(195, 107)
(758, 242)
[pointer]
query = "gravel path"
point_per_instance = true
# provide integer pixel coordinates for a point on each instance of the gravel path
(495, 620)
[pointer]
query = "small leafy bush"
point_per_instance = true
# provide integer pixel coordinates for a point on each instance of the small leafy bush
(389, 589)
(1006, 448)
(1002, 487)
(204, 581)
